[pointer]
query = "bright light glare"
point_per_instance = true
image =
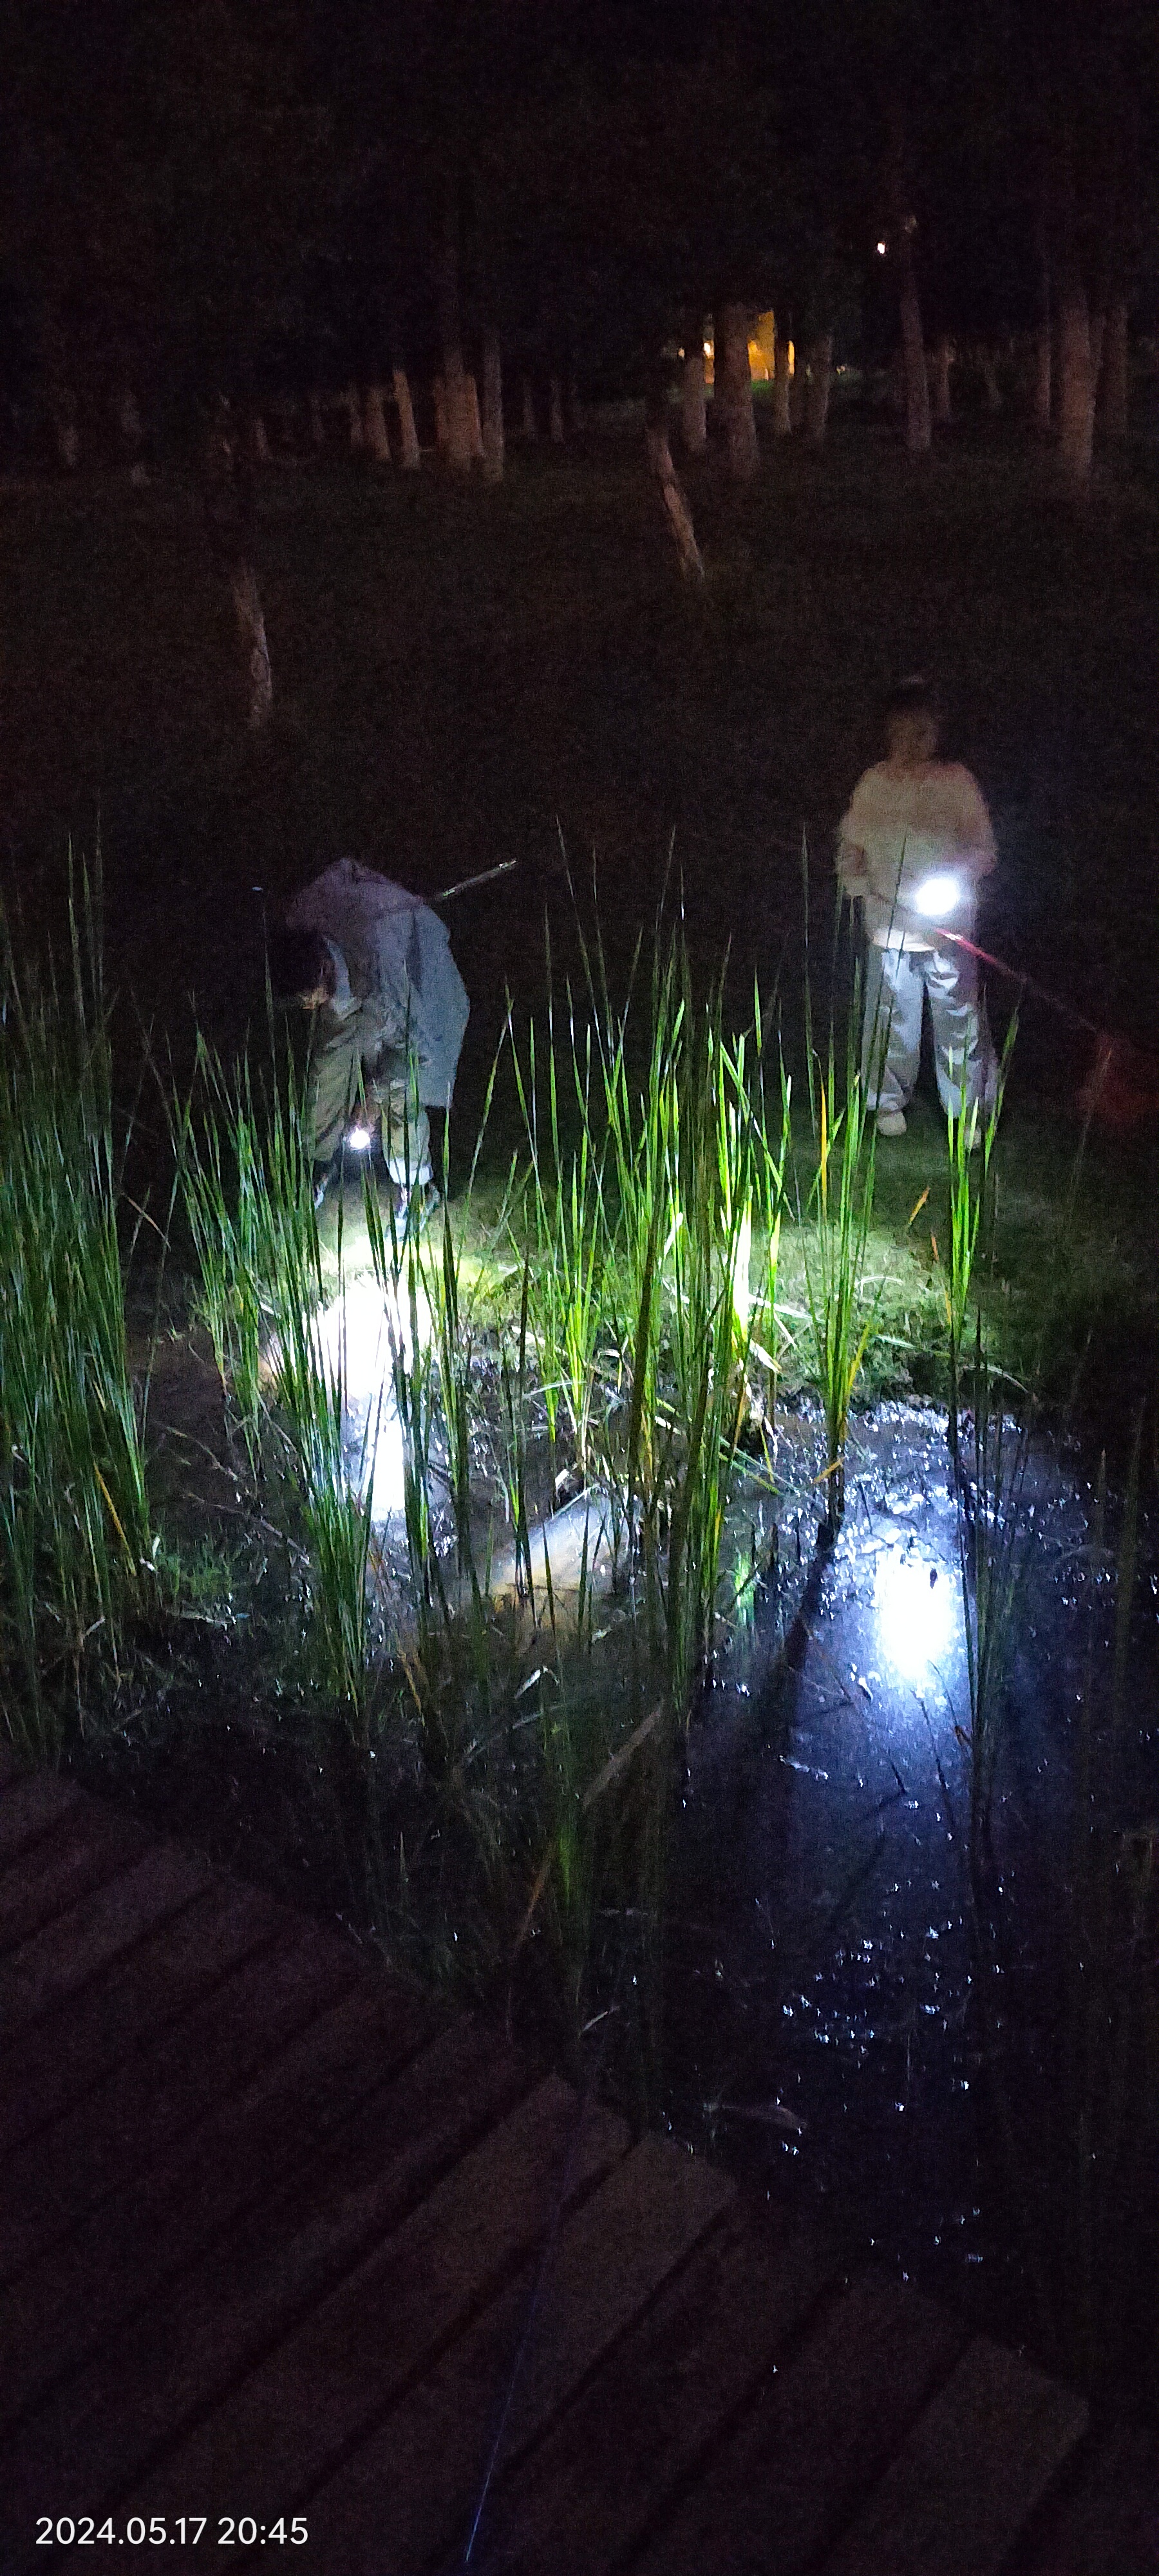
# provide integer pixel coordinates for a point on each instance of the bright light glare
(881, 250)
(359, 1139)
(358, 1337)
(937, 896)
(917, 1613)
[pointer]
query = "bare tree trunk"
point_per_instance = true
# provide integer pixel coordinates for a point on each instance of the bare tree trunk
(66, 435)
(317, 420)
(251, 627)
(411, 456)
(456, 393)
(374, 429)
(1043, 366)
(944, 354)
(988, 368)
(257, 445)
(1098, 341)
(693, 408)
(129, 423)
(782, 386)
(353, 409)
(442, 436)
(1076, 387)
(492, 409)
(1116, 379)
(555, 411)
(918, 427)
(530, 429)
(474, 423)
(734, 380)
(819, 379)
(672, 491)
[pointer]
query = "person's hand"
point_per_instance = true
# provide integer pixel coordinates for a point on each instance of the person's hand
(852, 869)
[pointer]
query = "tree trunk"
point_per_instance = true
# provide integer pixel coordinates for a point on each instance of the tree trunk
(456, 391)
(782, 387)
(1115, 379)
(257, 445)
(66, 435)
(492, 409)
(820, 377)
(693, 407)
(918, 428)
(251, 627)
(411, 456)
(374, 429)
(317, 419)
(1098, 342)
(530, 429)
(672, 491)
(1043, 365)
(132, 431)
(943, 361)
(474, 423)
(442, 438)
(734, 380)
(988, 367)
(353, 409)
(555, 411)
(1076, 389)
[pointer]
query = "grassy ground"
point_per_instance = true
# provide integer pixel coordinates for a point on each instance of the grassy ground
(457, 674)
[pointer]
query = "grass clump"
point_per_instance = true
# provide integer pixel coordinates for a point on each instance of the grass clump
(77, 1556)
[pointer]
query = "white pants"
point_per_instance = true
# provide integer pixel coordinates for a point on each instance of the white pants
(897, 982)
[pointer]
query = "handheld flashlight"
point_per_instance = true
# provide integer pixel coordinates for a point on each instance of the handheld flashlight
(938, 895)
(359, 1139)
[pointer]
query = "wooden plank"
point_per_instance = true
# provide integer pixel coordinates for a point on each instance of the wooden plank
(30, 1805)
(594, 2489)
(104, 2427)
(108, 1920)
(112, 2138)
(88, 1846)
(290, 2421)
(410, 2491)
(1105, 2522)
(967, 2479)
(323, 2039)
(57, 2059)
(817, 2438)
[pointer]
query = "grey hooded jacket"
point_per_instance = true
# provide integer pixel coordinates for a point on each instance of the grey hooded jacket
(409, 992)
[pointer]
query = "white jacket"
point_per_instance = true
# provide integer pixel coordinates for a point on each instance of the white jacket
(903, 830)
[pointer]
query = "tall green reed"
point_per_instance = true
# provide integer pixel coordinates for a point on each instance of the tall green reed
(77, 1556)
(835, 1247)
(244, 1179)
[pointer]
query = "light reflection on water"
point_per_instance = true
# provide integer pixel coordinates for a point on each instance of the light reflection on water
(820, 1856)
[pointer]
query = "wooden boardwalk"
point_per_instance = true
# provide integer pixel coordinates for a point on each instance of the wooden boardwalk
(277, 2241)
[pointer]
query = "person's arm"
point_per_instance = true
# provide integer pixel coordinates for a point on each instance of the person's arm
(852, 863)
(976, 849)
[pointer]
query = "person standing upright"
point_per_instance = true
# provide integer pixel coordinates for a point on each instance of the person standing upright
(913, 846)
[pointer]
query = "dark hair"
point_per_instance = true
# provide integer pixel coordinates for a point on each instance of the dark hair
(299, 962)
(913, 696)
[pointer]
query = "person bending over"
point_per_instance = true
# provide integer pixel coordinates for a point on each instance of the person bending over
(373, 964)
(912, 848)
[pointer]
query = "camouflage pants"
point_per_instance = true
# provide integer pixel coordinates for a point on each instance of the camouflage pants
(340, 1086)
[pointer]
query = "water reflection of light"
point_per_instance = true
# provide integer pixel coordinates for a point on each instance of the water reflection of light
(917, 1610)
(358, 1337)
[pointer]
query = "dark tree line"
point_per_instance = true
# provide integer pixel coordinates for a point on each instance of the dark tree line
(250, 199)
